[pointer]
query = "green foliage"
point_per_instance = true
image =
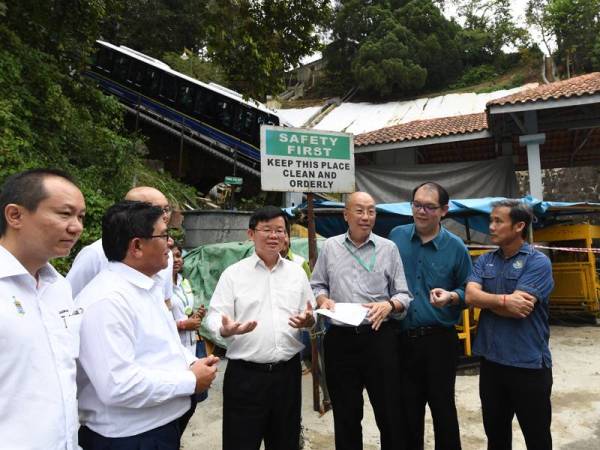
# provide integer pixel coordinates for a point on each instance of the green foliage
(393, 48)
(255, 41)
(576, 27)
(51, 118)
(156, 27)
(476, 75)
(196, 67)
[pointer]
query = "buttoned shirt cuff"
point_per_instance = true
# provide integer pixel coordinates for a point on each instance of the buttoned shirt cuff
(185, 383)
(461, 298)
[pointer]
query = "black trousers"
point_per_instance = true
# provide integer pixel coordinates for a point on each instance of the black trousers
(359, 358)
(262, 402)
(166, 437)
(428, 371)
(506, 391)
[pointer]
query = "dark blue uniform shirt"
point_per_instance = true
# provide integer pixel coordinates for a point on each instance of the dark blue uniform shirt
(443, 262)
(508, 341)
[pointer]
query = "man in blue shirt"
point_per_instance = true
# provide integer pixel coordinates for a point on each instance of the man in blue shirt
(437, 264)
(512, 285)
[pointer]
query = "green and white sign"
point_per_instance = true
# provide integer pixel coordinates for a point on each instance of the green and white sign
(302, 160)
(234, 181)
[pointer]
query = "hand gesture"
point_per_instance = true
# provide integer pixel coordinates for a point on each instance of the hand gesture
(205, 370)
(303, 320)
(378, 311)
(229, 327)
(439, 297)
(519, 304)
(192, 323)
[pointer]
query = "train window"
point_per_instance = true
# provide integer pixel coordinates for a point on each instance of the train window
(224, 113)
(103, 59)
(168, 87)
(186, 96)
(204, 104)
(136, 73)
(246, 120)
(121, 68)
(152, 81)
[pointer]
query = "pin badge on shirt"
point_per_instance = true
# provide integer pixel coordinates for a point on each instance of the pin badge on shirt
(18, 306)
(518, 264)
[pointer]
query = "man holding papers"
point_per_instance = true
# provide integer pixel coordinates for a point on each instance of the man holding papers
(362, 268)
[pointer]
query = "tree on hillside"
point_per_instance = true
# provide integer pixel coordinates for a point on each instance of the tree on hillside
(393, 47)
(255, 41)
(156, 27)
(576, 27)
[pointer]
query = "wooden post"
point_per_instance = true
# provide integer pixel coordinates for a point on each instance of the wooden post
(312, 259)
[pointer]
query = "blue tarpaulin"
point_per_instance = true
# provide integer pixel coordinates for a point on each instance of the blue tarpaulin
(329, 220)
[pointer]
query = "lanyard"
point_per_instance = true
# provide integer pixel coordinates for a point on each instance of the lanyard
(182, 287)
(367, 267)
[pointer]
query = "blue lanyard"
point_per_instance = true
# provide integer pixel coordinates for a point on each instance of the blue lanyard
(368, 267)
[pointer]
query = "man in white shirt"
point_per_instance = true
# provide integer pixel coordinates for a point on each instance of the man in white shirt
(91, 259)
(258, 306)
(42, 217)
(136, 378)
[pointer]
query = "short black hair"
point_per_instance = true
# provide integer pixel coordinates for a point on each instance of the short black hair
(518, 212)
(124, 221)
(265, 214)
(27, 190)
(443, 197)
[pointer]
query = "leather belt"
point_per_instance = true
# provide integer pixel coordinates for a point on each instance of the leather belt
(361, 329)
(265, 367)
(426, 331)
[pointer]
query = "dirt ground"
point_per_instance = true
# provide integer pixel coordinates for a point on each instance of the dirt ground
(575, 403)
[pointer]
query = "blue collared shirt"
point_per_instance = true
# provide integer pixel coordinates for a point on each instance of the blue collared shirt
(443, 262)
(508, 341)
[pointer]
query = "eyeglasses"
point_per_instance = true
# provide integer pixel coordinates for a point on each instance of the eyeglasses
(269, 231)
(165, 236)
(429, 209)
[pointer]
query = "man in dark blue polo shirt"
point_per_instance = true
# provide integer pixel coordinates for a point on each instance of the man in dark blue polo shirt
(512, 285)
(437, 264)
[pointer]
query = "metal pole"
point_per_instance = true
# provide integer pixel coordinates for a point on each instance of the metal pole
(312, 259)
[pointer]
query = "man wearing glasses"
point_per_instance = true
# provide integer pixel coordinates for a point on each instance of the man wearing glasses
(437, 265)
(258, 306)
(91, 259)
(363, 268)
(136, 377)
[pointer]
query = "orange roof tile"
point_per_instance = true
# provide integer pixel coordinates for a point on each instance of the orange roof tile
(423, 129)
(573, 87)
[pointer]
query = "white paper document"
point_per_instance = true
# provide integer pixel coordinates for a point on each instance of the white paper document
(348, 313)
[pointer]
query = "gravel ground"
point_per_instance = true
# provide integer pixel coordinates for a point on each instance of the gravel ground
(575, 402)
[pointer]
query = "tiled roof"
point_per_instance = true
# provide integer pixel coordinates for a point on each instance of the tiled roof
(573, 87)
(423, 129)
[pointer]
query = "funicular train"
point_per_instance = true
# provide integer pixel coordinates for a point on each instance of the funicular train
(210, 110)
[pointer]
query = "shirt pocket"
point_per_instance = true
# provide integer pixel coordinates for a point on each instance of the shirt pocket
(511, 278)
(374, 284)
(489, 276)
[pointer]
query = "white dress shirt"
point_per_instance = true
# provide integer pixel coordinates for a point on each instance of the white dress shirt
(39, 328)
(134, 373)
(248, 290)
(183, 298)
(91, 260)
